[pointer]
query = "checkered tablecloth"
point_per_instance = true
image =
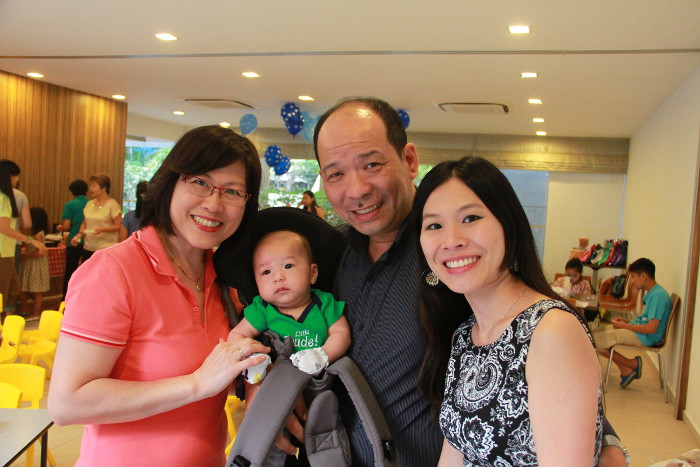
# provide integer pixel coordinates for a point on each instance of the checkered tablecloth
(57, 261)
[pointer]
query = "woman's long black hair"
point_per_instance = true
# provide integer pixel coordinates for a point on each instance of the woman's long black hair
(6, 188)
(443, 310)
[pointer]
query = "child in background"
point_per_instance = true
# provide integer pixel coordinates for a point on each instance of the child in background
(284, 272)
(577, 286)
(34, 270)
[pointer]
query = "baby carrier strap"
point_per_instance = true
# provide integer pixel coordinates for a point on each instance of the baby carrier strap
(375, 426)
(264, 421)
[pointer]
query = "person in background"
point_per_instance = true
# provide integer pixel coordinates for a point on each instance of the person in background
(34, 270)
(25, 220)
(579, 285)
(308, 203)
(71, 219)
(647, 329)
(9, 236)
(103, 218)
(143, 359)
(132, 219)
(504, 351)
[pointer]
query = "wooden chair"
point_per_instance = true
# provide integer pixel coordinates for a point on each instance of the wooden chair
(626, 304)
(675, 304)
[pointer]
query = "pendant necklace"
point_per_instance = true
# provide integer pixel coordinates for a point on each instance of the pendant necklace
(197, 282)
(493, 328)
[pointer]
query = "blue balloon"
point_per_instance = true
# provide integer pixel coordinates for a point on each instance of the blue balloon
(405, 119)
(290, 111)
(283, 166)
(273, 155)
(307, 133)
(248, 124)
(294, 128)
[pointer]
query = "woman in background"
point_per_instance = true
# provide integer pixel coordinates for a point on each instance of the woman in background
(132, 219)
(102, 217)
(143, 360)
(34, 269)
(308, 203)
(9, 237)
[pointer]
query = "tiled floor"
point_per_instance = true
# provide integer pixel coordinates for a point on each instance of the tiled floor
(644, 422)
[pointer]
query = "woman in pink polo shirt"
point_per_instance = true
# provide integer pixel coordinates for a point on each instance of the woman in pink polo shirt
(142, 359)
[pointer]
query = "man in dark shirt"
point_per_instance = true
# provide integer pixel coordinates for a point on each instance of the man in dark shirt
(368, 167)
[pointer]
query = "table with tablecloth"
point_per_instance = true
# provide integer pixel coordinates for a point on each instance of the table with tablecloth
(57, 261)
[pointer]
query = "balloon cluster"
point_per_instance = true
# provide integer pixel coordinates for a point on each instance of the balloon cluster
(275, 159)
(293, 120)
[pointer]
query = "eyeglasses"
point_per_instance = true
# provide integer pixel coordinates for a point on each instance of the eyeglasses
(200, 187)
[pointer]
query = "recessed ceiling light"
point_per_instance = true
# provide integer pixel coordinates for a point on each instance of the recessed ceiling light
(519, 29)
(118, 96)
(538, 120)
(250, 74)
(178, 112)
(528, 75)
(164, 36)
(541, 133)
(306, 98)
(535, 101)
(35, 75)
(224, 124)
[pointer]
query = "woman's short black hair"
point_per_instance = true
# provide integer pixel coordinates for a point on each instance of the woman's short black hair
(199, 151)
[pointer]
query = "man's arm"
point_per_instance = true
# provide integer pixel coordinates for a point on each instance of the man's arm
(649, 328)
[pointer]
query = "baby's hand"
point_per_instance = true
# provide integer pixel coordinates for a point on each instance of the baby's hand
(311, 361)
(257, 373)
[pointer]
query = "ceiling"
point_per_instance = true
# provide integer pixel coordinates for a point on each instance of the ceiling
(604, 66)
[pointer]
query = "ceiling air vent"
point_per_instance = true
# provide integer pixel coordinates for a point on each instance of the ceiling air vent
(220, 103)
(475, 108)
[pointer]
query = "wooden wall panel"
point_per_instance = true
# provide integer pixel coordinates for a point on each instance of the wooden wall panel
(56, 135)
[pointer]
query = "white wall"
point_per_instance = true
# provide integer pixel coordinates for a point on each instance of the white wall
(661, 184)
(581, 205)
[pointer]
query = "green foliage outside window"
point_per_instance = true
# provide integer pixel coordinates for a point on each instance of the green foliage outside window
(280, 190)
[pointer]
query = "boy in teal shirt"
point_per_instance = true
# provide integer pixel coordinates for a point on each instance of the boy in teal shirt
(647, 329)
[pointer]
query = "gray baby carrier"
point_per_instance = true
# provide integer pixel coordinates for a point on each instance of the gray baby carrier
(325, 440)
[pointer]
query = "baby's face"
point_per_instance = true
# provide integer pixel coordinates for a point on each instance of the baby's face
(284, 272)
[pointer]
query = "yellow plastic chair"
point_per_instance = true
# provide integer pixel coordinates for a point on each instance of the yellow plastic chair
(30, 379)
(62, 307)
(42, 344)
(232, 404)
(11, 338)
(49, 327)
(10, 396)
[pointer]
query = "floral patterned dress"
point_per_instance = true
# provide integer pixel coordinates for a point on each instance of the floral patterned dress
(484, 413)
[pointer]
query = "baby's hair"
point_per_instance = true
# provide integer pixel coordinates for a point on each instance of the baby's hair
(304, 242)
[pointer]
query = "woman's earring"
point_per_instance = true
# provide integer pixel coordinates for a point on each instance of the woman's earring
(430, 278)
(514, 269)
